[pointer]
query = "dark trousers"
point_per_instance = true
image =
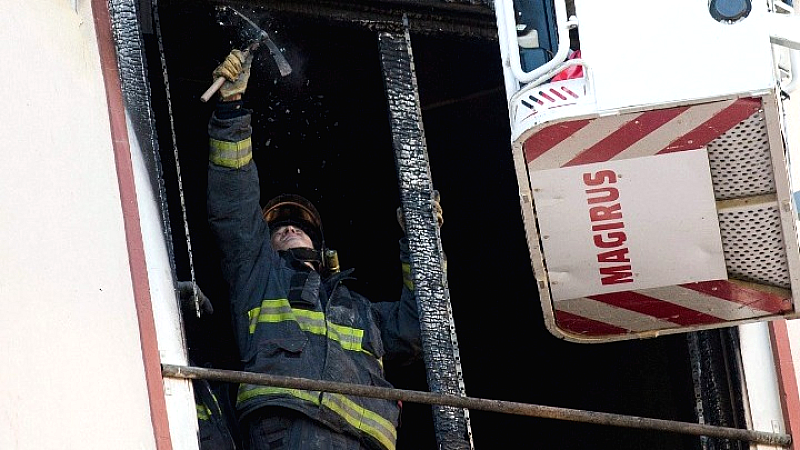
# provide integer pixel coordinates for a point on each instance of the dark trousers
(283, 429)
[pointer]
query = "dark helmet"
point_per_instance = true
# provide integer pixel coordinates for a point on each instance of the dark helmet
(292, 209)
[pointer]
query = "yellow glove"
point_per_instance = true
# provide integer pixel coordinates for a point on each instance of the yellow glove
(236, 71)
(437, 210)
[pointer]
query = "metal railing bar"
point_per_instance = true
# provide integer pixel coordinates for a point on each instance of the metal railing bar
(500, 406)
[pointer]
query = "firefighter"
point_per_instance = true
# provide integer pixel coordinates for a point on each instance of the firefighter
(293, 313)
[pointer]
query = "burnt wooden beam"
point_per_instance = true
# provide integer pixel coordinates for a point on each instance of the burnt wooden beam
(466, 18)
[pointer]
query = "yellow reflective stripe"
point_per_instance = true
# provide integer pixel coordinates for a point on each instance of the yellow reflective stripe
(231, 154)
(406, 268)
(363, 419)
(279, 310)
(311, 321)
(356, 415)
(349, 338)
(203, 413)
(246, 392)
(271, 311)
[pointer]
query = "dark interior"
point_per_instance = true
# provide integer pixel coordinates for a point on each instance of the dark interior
(323, 132)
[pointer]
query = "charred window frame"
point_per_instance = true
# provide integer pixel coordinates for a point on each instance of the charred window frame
(339, 120)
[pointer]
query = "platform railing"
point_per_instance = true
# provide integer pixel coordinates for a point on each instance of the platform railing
(507, 27)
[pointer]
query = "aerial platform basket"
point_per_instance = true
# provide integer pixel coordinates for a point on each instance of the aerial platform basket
(656, 197)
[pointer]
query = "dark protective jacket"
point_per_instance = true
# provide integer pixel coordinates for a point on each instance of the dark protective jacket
(213, 428)
(288, 320)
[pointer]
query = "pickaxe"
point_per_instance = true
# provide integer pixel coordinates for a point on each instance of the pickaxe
(263, 37)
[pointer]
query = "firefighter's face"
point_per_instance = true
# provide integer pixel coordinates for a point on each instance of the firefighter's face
(290, 236)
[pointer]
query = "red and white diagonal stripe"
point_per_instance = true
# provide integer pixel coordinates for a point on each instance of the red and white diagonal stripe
(704, 303)
(634, 135)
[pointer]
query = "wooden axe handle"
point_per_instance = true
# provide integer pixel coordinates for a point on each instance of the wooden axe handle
(212, 89)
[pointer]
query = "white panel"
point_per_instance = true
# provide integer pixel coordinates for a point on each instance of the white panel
(652, 218)
(793, 130)
(761, 379)
(670, 51)
(178, 393)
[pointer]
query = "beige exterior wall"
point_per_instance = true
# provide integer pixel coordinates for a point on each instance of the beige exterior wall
(72, 375)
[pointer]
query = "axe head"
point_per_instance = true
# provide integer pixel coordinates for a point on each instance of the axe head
(251, 33)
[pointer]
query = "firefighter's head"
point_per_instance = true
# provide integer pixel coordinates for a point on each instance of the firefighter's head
(294, 222)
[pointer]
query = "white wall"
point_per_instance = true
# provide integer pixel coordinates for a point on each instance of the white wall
(793, 128)
(72, 374)
(179, 397)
